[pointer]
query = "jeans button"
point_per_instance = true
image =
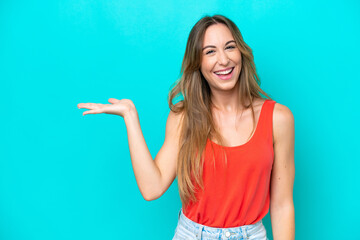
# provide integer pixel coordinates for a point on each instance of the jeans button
(227, 234)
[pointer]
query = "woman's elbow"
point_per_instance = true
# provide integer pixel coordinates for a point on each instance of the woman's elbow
(151, 196)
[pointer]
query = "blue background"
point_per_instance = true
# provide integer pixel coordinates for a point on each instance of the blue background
(68, 176)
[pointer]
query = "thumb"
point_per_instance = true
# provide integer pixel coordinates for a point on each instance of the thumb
(113, 100)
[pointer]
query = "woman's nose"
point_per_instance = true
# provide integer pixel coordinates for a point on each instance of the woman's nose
(223, 59)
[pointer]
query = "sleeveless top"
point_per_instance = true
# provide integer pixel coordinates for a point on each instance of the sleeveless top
(238, 193)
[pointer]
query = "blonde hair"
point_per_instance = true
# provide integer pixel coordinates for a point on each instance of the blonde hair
(198, 123)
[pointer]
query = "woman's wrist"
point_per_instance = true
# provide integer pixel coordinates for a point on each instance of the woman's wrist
(130, 113)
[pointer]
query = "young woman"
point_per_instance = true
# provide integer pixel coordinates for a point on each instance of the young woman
(246, 166)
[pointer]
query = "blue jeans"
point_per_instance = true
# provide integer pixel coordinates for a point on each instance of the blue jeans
(187, 229)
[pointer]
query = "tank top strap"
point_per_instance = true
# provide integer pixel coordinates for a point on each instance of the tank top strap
(266, 126)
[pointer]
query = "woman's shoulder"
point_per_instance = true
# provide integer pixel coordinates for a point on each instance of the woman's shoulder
(282, 112)
(283, 119)
(279, 109)
(176, 114)
(282, 115)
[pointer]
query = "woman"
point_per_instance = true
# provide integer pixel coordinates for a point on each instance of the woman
(246, 165)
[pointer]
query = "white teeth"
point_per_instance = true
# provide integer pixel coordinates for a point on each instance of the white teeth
(224, 72)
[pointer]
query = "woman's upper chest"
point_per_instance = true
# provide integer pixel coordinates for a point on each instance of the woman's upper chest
(237, 128)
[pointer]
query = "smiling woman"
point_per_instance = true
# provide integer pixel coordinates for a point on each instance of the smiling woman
(226, 164)
(225, 191)
(221, 59)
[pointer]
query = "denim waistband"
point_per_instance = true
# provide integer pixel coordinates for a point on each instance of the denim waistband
(219, 233)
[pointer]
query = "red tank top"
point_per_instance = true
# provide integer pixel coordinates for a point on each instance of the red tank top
(238, 193)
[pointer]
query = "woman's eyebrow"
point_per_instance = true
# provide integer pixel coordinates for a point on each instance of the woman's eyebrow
(212, 46)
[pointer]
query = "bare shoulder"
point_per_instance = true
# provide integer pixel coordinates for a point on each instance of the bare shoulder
(283, 121)
(175, 118)
(282, 114)
(174, 122)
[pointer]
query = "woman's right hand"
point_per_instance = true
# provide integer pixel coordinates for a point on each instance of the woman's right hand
(117, 107)
(153, 176)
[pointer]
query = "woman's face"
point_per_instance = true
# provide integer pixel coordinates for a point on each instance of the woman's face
(221, 59)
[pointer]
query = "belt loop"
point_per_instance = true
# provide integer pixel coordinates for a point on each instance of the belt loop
(198, 235)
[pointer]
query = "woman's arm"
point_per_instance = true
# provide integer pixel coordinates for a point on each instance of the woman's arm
(282, 211)
(152, 176)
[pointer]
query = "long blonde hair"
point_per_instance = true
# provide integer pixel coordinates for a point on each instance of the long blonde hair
(198, 123)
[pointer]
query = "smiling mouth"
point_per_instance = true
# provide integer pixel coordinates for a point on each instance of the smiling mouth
(224, 72)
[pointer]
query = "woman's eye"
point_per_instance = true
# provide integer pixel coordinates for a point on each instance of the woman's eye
(211, 51)
(231, 47)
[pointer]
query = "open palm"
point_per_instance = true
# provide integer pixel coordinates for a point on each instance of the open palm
(116, 107)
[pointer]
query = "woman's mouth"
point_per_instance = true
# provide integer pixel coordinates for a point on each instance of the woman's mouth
(225, 74)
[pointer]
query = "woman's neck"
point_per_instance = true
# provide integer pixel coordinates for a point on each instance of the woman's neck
(226, 101)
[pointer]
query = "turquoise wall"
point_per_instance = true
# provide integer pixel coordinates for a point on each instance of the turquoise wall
(68, 176)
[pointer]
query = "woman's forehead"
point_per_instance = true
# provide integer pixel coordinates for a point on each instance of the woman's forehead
(217, 34)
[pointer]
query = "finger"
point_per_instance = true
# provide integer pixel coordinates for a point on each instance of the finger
(91, 112)
(113, 100)
(87, 105)
(83, 105)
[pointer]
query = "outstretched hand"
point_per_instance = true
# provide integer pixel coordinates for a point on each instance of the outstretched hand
(117, 107)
